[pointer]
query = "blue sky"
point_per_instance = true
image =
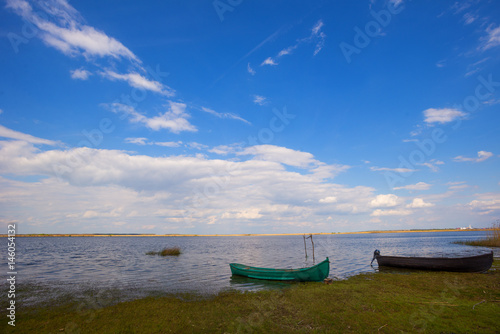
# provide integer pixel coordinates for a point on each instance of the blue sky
(248, 116)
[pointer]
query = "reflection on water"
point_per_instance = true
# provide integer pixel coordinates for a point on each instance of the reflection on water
(62, 265)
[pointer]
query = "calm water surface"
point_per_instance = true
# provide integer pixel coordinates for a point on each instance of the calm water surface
(76, 264)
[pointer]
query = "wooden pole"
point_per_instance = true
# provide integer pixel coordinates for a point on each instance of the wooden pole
(311, 236)
(305, 249)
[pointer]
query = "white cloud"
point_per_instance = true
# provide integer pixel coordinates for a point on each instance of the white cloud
(396, 3)
(226, 149)
(400, 212)
(1, 111)
(138, 81)
(418, 186)
(432, 164)
(251, 213)
(69, 35)
(469, 18)
(397, 170)
(168, 143)
(294, 158)
(174, 119)
(269, 61)
(419, 203)
(481, 156)
(385, 201)
(476, 67)
(441, 63)
(9, 133)
(250, 69)
(94, 214)
(317, 37)
(317, 27)
(224, 115)
(99, 187)
(197, 146)
(145, 141)
(281, 155)
(148, 227)
(90, 167)
(457, 185)
(324, 171)
(473, 71)
(80, 73)
(491, 102)
(329, 199)
(442, 116)
(67, 32)
(87, 166)
(52, 202)
(492, 39)
(260, 100)
(486, 204)
(138, 141)
(87, 39)
(417, 131)
(287, 51)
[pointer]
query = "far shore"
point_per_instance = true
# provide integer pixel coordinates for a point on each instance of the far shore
(242, 234)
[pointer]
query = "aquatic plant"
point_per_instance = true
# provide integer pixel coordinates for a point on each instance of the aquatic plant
(166, 252)
(170, 251)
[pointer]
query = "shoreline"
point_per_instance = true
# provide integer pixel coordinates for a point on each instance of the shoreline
(241, 234)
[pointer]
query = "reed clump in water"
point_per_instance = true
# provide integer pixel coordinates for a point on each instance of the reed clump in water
(491, 240)
(173, 251)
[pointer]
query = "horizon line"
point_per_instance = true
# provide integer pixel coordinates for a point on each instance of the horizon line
(236, 234)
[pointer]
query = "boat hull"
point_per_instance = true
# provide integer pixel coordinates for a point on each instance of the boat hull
(315, 273)
(478, 263)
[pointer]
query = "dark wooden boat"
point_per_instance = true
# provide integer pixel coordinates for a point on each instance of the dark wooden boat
(478, 263)
(315, 273)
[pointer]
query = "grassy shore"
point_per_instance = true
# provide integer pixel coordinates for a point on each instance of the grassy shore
(434, 302)
(480, 243)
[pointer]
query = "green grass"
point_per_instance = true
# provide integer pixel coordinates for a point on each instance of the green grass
(491, 240)
(481, 243)
(166, 252)
(434, 302)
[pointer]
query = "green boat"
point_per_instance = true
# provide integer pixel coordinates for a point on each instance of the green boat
(315, 273)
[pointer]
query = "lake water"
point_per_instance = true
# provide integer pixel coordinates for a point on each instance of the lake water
(50, 267)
